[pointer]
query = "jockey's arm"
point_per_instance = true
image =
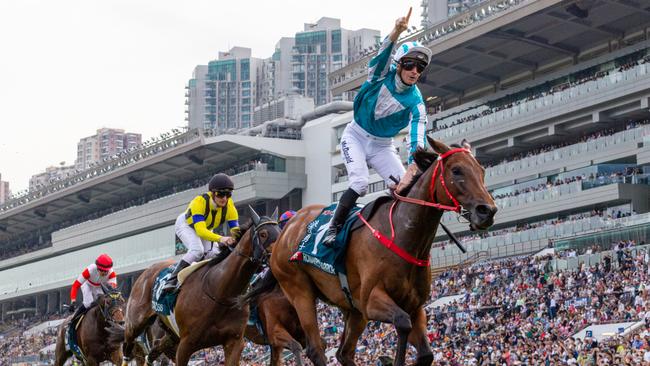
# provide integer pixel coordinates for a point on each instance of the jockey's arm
(112, 279)
(202, 230)
(379, 66)
(232, 218)
(417, 129)
(83, 277)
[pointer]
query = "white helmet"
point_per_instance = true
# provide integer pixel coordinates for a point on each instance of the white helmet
(415, 49)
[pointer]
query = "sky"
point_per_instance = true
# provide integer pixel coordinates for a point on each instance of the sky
(70, 67)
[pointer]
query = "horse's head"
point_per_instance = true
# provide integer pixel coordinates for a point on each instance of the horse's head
(263, 232)
(112, 305)
(457, 181)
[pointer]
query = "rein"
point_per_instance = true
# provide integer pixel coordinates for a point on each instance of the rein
(438, 171)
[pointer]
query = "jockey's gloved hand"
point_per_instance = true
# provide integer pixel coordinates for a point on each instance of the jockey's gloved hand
(235, 233)
(71, 307)
(226, 240)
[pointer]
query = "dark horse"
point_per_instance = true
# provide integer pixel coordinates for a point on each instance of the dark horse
(279, 320)
(94, 332)
(386, 287)
(206, 311)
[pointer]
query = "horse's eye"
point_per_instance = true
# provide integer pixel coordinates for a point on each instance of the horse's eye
(457, 171)
(263, 235)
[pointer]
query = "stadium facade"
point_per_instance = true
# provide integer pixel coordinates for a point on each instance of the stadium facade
(556, 107)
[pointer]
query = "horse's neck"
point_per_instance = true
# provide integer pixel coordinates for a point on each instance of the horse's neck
(416, 225)
(231, 277)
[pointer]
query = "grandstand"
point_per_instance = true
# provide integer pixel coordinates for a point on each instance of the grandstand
(557, 109)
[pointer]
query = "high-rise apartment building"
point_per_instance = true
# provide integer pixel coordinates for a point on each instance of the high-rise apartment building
(51, 174)
(197, 97)
(436, 11)
(321, 48)
(5, 192)
(232, 90)
(276, 72)
(106, 143)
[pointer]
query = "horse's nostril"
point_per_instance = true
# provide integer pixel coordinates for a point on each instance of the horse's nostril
(485, 210)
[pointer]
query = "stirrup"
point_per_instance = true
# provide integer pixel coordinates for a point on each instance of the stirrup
(170, 288)
(330, 237)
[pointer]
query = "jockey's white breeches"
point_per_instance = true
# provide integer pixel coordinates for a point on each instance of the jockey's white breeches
(360, 149)
(90, 293)
(197, 248)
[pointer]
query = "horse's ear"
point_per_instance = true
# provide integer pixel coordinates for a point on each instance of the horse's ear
(105, 289)
(466, 145)
(254, 216)
(274, 217)
(437, 145)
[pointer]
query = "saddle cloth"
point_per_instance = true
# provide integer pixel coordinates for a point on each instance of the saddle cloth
(71, 342)
(311, 249)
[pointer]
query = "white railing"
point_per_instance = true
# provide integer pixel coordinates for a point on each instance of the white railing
(539, 105)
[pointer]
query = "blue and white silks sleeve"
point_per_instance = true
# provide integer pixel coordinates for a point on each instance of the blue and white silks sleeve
(380, 64)
(417, 130)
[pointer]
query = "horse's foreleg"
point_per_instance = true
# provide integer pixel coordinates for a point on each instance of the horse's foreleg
(281, 339)
(304, 302)
(232, 351)
(183, 353)
(418, 338)
(355, 323)
(381, 307)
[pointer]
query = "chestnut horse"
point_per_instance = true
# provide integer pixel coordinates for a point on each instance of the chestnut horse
(206, 311)
(94, 332)
(387, 285)
(278, 318)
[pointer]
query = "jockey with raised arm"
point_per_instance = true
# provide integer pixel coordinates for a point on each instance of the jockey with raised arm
(387, 102)
(194, 227)
(90, 282)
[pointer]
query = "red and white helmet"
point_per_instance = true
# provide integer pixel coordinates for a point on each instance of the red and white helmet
(104, 262)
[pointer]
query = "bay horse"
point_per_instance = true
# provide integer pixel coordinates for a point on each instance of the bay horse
(94, 331)
(387, 285)
(279, 321)
(206, 311)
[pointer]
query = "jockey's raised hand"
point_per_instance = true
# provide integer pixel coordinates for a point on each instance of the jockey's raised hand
(401, 24)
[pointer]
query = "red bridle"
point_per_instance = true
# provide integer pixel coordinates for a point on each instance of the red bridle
(439, 167)
(390, 243)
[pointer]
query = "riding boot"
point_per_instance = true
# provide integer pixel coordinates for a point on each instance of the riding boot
(78, 313)
(172, 282)
(348, 200)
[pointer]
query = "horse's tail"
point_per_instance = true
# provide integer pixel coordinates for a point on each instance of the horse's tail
(263, 285)
(115, 334)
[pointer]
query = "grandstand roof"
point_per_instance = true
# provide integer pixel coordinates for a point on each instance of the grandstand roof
(177, 164)
(529, 37)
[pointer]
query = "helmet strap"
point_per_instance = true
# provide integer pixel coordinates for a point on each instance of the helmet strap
(400, 85)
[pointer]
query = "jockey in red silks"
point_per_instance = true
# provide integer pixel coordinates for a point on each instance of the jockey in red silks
(90, 281)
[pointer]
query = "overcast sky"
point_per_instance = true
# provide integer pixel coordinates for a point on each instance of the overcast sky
(70, 67)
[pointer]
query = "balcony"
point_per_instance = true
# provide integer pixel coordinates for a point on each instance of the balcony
(614, 85)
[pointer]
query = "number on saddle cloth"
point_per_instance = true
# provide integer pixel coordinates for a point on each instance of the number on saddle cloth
(312, 251)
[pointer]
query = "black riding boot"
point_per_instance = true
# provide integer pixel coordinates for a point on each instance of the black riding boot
(78, 313)
(172, 282)
(348, 200)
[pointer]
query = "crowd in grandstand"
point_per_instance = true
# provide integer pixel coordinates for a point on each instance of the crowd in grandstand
(549, 88)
